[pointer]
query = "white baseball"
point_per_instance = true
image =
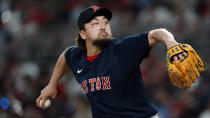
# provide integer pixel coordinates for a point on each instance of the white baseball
(46, 104)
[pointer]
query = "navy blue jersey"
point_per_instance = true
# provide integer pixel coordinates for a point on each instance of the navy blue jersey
(113, 82)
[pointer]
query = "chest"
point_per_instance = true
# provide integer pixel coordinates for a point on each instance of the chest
(102, 75)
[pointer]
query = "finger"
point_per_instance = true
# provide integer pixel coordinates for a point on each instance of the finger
(175, 59)
(184, 54)
(38, 101)
(43, 102)
(181, 57)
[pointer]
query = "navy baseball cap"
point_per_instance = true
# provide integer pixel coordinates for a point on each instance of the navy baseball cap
(91, 12)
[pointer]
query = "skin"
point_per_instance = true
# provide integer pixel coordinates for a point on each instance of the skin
(97, 29)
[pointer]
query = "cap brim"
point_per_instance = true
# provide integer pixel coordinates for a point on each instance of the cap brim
(102, 12)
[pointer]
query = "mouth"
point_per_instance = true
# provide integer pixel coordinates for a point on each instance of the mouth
(103, 33)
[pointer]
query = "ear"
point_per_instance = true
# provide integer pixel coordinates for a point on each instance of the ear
(82, 34)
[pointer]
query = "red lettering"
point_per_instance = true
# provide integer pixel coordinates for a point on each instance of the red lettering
(91, 81)
(98, 83)
(106, 83)
(84, 84)
(82, 88)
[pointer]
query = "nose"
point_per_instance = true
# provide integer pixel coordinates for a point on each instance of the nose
(102, 26)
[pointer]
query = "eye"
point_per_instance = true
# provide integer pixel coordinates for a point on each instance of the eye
(94, 23)
(106, 22)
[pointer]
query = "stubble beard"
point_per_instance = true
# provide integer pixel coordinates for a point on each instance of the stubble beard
(102, 43)
(103, 40)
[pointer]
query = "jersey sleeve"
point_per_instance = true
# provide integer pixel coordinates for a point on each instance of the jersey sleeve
(133, 49)
(68, 55)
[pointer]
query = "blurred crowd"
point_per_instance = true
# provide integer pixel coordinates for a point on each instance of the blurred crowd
(33, 33)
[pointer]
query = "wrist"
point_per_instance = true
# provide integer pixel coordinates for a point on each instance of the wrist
(53, 83)
(170, 43)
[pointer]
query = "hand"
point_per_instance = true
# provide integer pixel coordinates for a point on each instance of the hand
(49, 92)
(180, 57)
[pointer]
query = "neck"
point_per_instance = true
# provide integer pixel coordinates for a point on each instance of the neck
(92, 50)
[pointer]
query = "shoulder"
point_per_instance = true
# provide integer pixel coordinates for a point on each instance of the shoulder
(141, 37)
(72, 51)
(72, 54)
(72, 48)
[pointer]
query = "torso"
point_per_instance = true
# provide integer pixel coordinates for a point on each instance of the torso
(112, 83)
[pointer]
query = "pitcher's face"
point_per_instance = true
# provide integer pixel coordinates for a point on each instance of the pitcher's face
(98, 28)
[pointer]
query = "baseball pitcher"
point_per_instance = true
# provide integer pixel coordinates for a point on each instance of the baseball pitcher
(108, 70)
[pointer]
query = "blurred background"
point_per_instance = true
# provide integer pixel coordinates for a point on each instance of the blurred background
(33, 33)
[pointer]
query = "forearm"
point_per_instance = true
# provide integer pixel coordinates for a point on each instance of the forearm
(60, 69)
(161, 35)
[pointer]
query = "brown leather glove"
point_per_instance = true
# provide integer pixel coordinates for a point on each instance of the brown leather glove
(184, 72)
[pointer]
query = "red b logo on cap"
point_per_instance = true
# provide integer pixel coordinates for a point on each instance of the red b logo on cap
(95, 8)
